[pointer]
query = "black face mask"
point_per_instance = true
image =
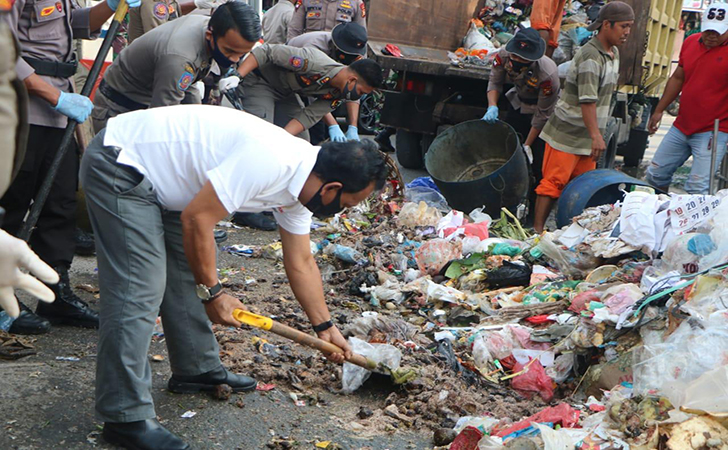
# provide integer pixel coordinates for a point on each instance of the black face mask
(346, 59)
(220, 57)
(518, 66)
(316, 206)
(351, 94)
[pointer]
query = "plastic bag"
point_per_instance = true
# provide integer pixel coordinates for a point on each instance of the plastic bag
(509, 274)
(572, 263)
(561, 439)
(430, 196)
(477, 216)
(467, 439)
(709, 392)
(475, 40)
(433, 255)
(533, 380)
(561, 370)
(483, 423)
(418, 215)
(354, 376)
(562, 414)
(678, 257)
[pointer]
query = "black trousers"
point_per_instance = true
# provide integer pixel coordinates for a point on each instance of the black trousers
(522, 124)
(53, 238)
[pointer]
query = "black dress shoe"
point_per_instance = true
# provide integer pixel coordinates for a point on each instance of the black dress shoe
(207, 381)
(68, 309)
(220, 236)
(255, 220)
(85, 244)
(142, 435)
(382, 138)
(29, 323)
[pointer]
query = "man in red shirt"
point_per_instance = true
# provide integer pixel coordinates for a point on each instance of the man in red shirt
(701, 76)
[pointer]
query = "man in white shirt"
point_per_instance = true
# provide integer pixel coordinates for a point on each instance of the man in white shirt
(158, 181)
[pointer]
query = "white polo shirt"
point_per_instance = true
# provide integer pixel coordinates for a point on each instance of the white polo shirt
(253, 165)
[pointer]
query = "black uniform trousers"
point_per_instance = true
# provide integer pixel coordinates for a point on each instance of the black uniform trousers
(53, 238)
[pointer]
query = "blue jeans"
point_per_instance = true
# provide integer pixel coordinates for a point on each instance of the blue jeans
(675, 149)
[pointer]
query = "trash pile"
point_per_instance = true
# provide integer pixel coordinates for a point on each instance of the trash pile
(608, 333)
(499, 20)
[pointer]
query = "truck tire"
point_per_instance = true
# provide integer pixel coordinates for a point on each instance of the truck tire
(635, 147)
(606, 161)
(409, 149)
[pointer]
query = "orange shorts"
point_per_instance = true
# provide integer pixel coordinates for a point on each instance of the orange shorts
(546, 15)
(559, 168)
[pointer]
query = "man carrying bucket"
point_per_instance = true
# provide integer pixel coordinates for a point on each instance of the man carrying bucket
(574, 133)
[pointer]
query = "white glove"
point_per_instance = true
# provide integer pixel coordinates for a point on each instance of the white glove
(15, 255)
(209, 4)
(529, 153)
(228, 83)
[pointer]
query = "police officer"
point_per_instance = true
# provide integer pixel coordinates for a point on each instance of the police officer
(274, 74)
(276, 20)
(324, 15)
(159, 67)
(45, 30)
(533, 97)
(346, 43)
(153, 13)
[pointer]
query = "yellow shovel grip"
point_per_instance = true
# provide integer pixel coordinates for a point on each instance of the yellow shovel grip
(121, 11)
(253, 320)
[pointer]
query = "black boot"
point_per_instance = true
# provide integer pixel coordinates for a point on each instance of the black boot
(85, 244)
(29, 323)
(254, 220)
(142, 435)
(68, 309)
(382, 138)
(180, 384)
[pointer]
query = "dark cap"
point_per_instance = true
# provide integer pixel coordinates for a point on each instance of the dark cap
(613, 12)
(350, 38)
(528, 44)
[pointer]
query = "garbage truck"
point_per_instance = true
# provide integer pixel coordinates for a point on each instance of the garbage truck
(431, 94)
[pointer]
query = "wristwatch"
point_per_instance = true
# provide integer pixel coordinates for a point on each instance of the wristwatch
(323, 326)
(207, 294)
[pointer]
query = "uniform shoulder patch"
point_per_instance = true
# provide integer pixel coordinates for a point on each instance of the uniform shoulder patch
(185, 81)
(547, 88)
(160, 11)
(297, 62)
(497, 61)
(298, 4)
(59, 6)
(363, 10)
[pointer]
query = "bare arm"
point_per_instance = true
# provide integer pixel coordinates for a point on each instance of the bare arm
(98, 15)
(305, 279)
(294, 127)
(186, 8)
(38, 87)
(250, 63)
(352, 112)
(672, 90)
(493, 97)
(589, 114)
(329, 120)
(532, 136)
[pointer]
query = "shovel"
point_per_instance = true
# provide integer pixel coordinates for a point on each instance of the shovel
(399, 376)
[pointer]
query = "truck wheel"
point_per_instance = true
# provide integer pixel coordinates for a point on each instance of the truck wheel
(635, 147)
(369, 110)
(409, 149)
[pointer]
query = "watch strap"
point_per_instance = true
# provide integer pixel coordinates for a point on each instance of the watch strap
(323, 326)
(214, 292)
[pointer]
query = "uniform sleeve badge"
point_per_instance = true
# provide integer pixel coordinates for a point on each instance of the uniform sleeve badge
(185, 81)
(160, 11)
(47, 11)
(336, 103)
(298, 4)
(59, 6)
(296, 62)
(547, 88)
(323, 81)
(363, 10)
(532, 81)
(497, 61)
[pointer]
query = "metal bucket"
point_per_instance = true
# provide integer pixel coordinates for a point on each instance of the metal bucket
(593, 188)
(477, 164)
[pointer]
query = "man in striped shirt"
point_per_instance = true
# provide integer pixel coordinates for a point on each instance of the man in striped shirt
(574, 133)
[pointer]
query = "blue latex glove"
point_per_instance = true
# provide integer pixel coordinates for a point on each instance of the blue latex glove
(113, 4)
(352, 133)
(336, 134)
(701, 245)
(491, 116)
(74, 106)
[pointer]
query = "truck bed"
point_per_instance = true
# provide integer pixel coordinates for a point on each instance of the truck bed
(427, 61)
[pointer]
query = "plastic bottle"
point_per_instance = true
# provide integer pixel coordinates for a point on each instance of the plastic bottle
(346, 254)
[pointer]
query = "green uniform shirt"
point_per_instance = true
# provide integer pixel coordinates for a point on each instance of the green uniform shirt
(592, 78)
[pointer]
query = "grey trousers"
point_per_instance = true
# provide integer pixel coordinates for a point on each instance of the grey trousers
(143, 272)
(260, 99)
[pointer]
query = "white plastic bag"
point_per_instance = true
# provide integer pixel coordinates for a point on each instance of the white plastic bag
(475, 40)
(385, 354)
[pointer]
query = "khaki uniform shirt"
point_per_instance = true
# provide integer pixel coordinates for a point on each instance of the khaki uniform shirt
(45, 30)
(303, 71)
(324, 15)
(275, 22)
(159, 67)
(150, 15)
(535, 90)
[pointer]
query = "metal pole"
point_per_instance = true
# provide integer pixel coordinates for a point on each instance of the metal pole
(713, 156)
(45, 188)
